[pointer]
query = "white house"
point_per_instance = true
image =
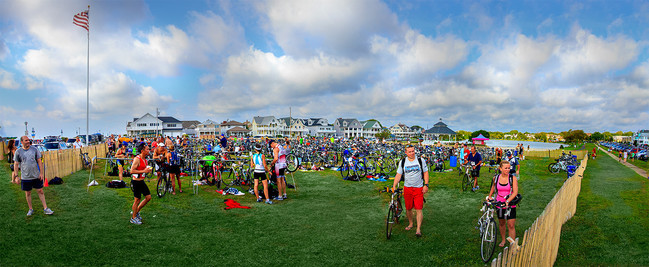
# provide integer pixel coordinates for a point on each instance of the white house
(265, 126)
(371, 128)
(400, 130)
(293, 127)
(150, 126)
(227, 125)
(642, 137)
(348, 128)
(189, 128)
(319, 127)
(209, 129)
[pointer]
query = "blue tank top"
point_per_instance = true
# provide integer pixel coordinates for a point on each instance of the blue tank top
(259, 163)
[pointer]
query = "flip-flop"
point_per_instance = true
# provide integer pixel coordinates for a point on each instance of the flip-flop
(418, 234)
(408, 228)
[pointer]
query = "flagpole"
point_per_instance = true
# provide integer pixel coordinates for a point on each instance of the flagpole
(88, 83)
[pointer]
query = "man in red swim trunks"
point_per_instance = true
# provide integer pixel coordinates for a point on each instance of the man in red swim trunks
(415, 174)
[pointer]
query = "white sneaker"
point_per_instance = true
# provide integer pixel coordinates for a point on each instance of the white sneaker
(48, 211)
(30, 212)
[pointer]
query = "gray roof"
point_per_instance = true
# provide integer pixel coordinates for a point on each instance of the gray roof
(169, 119)
(314, 122)
(440, 128)
(189, 124)
(349, 122)
(232, 123)
(263, 120)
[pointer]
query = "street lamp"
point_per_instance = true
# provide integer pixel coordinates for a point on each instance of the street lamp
(26, 132)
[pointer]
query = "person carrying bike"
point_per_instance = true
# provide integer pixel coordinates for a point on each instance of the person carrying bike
(173, 161)
(258, 163)
(476, 159)
(159, 154)
(415, 176)
(139, 169)
(506, 189)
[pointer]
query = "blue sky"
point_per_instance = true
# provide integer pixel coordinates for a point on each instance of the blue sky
(494, 65)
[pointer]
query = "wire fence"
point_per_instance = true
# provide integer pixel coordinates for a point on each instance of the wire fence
(541, 241)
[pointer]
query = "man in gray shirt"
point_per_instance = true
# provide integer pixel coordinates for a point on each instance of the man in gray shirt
(28, 160)
(415, 173)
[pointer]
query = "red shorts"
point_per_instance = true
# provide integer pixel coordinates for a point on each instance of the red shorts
(413, 196)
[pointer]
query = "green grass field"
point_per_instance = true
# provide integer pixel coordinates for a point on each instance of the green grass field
(611, 225)
(328, 221)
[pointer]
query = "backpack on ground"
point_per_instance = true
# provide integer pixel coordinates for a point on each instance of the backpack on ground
(116, 184)
(56, 180)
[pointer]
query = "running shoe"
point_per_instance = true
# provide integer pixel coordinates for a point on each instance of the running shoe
(259, 199)
(48, 211)
(136, 221)
(285, 197)
(30, 212)
(279, 198)
(137, 216)
(268, 201)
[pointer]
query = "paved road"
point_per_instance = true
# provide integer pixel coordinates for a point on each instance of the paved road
(642, 172)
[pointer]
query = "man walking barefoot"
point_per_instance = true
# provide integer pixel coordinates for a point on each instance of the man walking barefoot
(28, 160)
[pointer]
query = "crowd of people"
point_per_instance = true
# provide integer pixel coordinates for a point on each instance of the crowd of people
(412, 170)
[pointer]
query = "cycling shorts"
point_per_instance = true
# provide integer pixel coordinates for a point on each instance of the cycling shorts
(280, 171)
(140, 188)
(413, 196)
(501, 213)
(259, 176)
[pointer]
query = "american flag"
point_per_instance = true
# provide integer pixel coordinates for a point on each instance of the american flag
(81, 20)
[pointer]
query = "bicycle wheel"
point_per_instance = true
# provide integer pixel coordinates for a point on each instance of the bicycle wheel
(466, 181)
(291, 163)
(555, 168)
(398, 210)
(371, 167)
(389, 222)
(332, 159)
(218, 177)
(162, 186)
(361, 170)
(344, 171)
(488, 240)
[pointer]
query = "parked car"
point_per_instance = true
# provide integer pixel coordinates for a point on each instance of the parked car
(55, 145)
(40, 147)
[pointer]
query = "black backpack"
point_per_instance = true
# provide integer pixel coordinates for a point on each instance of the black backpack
(116, 184)
(402, 162)
(56, 180)
(516, 199)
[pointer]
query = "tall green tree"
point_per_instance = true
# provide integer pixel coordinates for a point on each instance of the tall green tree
(478, 132)
(385, 134)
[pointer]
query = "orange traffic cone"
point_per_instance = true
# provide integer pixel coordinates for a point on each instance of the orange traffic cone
(46, 183)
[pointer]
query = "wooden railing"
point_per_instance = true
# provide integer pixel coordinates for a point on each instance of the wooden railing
(553, 153)
(541, 241)
(59, 163)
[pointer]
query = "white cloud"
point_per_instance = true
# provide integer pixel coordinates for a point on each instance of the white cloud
(585, 55)
(419, 56)
(304, 28)
(7, 80)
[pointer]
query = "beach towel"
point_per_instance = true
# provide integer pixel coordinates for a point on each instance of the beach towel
(232, 204)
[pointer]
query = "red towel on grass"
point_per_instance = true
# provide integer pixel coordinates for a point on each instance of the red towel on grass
(232, 204)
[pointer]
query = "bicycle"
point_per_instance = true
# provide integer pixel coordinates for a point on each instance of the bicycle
(394, 212)
(467, 180)
(488, 229)
(164, 182)
(85, 160)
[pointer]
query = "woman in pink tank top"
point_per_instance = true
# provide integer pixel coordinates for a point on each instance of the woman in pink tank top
(506, 188)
